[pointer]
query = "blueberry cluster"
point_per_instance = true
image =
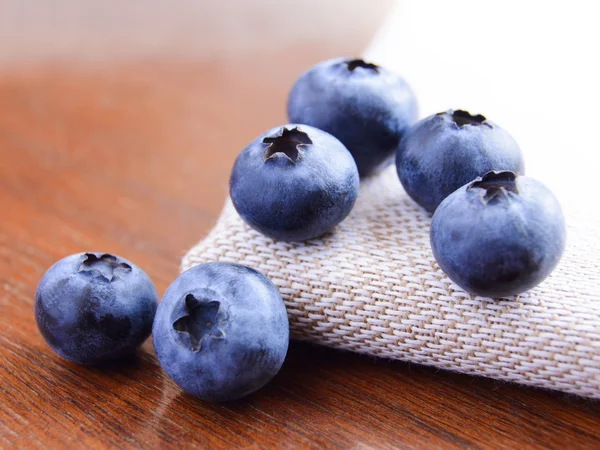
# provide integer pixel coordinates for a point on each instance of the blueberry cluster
(494, 231)
(221, 330)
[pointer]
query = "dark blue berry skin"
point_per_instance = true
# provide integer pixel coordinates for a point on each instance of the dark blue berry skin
(93, 307)
(365, 106)
(499, 235)
(294, 183)
(221, 331)
(447, 150)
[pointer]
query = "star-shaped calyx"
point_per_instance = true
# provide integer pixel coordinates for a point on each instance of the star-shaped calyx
(288, 143)
(495, 185)
(462, 118)
(107, 266)
(200, 322)
(355, 63)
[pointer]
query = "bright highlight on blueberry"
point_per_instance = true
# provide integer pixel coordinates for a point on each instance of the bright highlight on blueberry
(94, 307)
(447, 150)
(294, 183)
(499, 235)
(221, 331)
(364, 105)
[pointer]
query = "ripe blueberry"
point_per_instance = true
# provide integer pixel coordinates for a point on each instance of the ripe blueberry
(293, 183)
(499, 235)
(94, 307)
(221, 331)
(447, 150)
(365, 106)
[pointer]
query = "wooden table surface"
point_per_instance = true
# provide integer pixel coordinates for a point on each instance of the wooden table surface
(132, 156)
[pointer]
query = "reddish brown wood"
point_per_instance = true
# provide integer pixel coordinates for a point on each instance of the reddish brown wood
(133, 158)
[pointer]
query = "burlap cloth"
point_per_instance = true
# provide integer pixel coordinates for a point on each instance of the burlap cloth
(372, 286)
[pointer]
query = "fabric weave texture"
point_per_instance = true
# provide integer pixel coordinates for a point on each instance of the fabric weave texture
(372, 286)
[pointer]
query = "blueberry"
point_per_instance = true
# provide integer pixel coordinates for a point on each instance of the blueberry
(499, 235)
(94, 307)
(447, 150)
(365, 106)
(221, 331)
(293, 183)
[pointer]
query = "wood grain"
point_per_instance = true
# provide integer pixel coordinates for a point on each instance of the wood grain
(133, 158)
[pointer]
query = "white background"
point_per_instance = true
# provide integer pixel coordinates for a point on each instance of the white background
(532, 67)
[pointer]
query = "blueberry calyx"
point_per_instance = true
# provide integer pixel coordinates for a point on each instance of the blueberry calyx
(106, 266)
(494, 185)
(201, 321)
(287, 143)
(353, 64)
(462, 118)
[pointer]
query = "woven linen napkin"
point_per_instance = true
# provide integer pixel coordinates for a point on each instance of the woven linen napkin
(372, 286)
